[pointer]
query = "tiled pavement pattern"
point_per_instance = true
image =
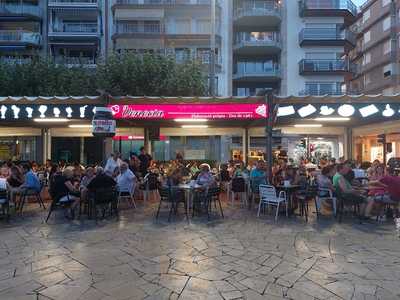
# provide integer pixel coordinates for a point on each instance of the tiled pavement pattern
(239, 257)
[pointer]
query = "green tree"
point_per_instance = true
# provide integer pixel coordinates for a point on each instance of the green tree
(127, 74)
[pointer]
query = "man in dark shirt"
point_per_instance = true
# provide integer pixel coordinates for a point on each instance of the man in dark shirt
(145, 160)
(101, 180)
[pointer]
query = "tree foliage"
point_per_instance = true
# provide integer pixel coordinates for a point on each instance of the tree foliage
(127, 74)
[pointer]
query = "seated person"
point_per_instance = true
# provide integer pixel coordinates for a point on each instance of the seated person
(14, 181)
(257, 176)
(205, 178)
(31, 182)
(89, 175)
(63, 190)
(324, 181)
(102, 180)
(126, 179)
(343, 187)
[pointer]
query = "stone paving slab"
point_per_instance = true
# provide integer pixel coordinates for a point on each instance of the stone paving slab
(239, 257)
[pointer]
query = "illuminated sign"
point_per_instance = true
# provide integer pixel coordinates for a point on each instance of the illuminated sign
(190, 111)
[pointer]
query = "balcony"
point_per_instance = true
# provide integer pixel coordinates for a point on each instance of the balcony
(138, 28)
(263, 44)
(326, 37)
(70, 62)
(18, 10)
(74, 3)
(19, 38)
(325, 66)
(251, 13)
(322, 90)
(75, 30)
(328, 8)
(166, 3)
(257, 75)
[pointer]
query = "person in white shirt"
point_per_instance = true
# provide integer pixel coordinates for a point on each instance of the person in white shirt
(113, 164)
(126, 179)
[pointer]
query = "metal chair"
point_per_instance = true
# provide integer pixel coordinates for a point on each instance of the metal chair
(128, 194)
(106, 198)
(55, 203)
(4, 203)
(268, 196)
(239, 187)
(319, 199)
(213, 196)
(174, 196)
(29, 193)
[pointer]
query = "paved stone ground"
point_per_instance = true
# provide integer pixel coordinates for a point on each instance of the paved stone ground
(240, 257)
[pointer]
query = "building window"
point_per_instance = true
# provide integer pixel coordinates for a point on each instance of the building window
(323, 88)
(367, 37)
(182, 26)
(203, 26)
(387, 71)
(386, 24)
(367, 58)
(366, 15)
(387, 47)
(385, 2)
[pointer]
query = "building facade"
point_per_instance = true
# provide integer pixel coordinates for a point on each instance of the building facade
(376, 52)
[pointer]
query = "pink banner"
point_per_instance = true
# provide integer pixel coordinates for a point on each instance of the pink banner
(226, 111)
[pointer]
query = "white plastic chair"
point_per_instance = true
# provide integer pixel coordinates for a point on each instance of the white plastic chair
(130, 195)
(319, 199)
(268, 196)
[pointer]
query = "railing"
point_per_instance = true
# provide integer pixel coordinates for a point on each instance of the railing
(20, 36)
(320, 91)
(326, 34)
(76, 2)
(252, 8)
(15, 60)
(324, 65)
(329, 5)
(20, 9)
(75, 60)
(262, 39)
(165, 2)
(275, 72)
(77, 28)
(139, 28)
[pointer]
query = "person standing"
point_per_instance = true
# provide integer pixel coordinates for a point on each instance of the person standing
(145, 161)
(113, 164)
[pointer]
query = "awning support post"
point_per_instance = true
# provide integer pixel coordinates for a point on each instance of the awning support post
(269, 99)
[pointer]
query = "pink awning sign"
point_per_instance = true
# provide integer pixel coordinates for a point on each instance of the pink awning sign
(226, 111)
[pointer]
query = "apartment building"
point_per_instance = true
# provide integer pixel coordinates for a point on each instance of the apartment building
(256, 46)
(75, 34)
(21, 30)
(376, 51)
(316, 42)
(181, 28)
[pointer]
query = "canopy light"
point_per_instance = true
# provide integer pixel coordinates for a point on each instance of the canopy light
(286, 111)
(326, 110)
(307, 125)
(190, 120)
(368, 110)
(306, 110)
(320, 138)
(346, 110)
(53, 120)
(80, 126)
(194, 126)
(388, 112)
(332, 119)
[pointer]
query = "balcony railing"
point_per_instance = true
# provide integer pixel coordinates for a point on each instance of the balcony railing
(20, 9)
(77, 28)
(75, 61)
(139, 28)
(164, 2)
(329, 5)
(321, 91)
(253, 9)
(242, 73)
(324, 66)
(27, 37)
(326, 34)
(249, 40)
(15, 60)
(73, 2)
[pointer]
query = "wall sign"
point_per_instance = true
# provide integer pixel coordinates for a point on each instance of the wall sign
(189, 111)
(16, 112)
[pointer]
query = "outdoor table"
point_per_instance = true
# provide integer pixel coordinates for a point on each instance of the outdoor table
(289, 191)
(189, 193)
